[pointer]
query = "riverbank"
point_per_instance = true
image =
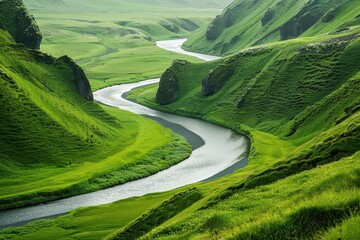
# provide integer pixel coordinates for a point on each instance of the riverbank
(205, 161)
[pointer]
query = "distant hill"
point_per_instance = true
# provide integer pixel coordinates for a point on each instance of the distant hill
(247, 23)
(116, 5)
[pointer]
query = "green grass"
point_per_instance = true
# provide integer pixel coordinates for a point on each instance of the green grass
(273, 210)
(296, 100)
(115, 41)
(159, 215)
(245, 28)
(304, 185)
(55, 144)
(298, 106)
(300, 206)
(87, 225)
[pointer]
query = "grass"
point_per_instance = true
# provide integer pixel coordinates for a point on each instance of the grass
(245, 28)
(56, 144)
(115, 42)
(35, 87)
(330, 190)
(87, 224)
(301, 206)
(289, 178)
(309, 128)
(159, 215)
(298, 102)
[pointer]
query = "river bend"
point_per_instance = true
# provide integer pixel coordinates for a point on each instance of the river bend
(223, 152)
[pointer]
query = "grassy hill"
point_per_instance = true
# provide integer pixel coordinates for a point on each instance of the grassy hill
(114, 40)
(56, 142)
(247, 23)
(298, 102)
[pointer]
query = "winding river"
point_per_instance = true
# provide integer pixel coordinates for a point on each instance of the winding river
(220, 152)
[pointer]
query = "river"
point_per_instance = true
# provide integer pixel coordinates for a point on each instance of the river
(223, 152)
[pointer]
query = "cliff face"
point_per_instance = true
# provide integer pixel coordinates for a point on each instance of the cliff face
(169, 88)
(15, 18)
(20, 23)
(216, 79)
(82, 83)
(312, 12)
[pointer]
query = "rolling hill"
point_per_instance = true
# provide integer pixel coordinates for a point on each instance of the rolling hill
(55, 141)
(298, 102)
(247, 23)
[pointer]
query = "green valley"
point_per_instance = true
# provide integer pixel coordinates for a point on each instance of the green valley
(56, 142)
(289, 81)
(109, 38)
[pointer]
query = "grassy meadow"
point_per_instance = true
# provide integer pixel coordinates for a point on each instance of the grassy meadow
(114, 41)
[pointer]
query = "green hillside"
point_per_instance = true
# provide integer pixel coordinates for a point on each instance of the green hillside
(246, 23)
(56, 142)
(298, 102)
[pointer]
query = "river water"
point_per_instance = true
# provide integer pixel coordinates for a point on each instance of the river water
(223, 152)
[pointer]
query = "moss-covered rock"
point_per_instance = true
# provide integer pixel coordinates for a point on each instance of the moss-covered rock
(269, 14)
(169, 88)
(329, 15)
(20, 23)
(311, 13)
(213, 82)
(215, 28)
(82, 83)
(218, 25)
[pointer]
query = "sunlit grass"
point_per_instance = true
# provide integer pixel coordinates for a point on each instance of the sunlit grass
(56, 144)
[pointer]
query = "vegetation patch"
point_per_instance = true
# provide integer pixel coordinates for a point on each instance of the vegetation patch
(159, 215)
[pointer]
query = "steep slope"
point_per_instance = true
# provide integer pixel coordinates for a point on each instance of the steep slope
(56, 142)
(298, 101)
(20, 23)
(247, 23)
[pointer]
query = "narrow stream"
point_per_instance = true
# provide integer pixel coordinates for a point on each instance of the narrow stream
(224, 151)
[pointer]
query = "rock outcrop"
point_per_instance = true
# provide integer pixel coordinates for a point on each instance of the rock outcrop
(20, 23)
(216, 79)
(218, 25)
(269, 14)
(80, 80)
(169, 88)
(311, 13)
